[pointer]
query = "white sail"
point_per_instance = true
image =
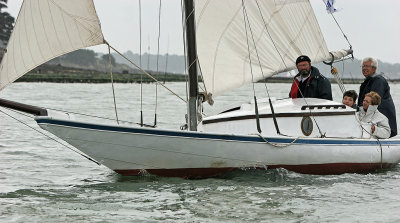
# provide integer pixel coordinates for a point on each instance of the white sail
(46, 29)
(282, 30)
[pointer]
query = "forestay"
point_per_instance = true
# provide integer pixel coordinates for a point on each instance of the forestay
(46, 29)
(282, 30)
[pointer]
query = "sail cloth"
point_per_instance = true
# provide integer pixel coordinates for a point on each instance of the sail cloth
(46, 29)
(282, 30)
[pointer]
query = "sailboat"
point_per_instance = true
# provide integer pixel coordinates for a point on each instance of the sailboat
(232, 43)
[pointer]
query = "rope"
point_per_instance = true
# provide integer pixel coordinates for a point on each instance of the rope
(48, 136)
(334, 72)
(112, 83)
(276, 144)
(145, 72)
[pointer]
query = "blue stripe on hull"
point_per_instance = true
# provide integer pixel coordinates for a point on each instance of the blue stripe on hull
(187, 134)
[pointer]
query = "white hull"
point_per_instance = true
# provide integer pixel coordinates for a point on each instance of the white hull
(129, 151)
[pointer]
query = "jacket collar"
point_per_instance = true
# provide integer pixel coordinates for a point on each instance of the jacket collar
(300, 78)
(371, 109)
(370, 77)
(313, 73)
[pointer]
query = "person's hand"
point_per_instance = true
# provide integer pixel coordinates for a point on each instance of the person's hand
(372, 128)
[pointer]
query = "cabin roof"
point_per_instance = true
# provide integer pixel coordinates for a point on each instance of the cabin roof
(286, 106)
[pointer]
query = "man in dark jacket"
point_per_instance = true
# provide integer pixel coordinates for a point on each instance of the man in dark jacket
(378, 83)
(309, 82)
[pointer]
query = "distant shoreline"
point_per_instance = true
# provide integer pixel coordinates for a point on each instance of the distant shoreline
(137, 78)
(61, 74)
(99, 78)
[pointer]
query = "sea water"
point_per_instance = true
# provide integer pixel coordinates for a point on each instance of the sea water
(43, 181)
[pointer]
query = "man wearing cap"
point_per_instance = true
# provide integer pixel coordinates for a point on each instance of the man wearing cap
(309, 82)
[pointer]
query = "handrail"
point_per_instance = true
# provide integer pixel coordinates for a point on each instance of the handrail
(304, 107)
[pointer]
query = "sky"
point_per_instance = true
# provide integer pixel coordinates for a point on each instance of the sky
(372, 26)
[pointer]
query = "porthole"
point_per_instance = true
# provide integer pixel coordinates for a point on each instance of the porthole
(306, 125)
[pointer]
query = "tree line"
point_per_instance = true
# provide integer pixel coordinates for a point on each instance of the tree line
(6, 27)
(6, 22)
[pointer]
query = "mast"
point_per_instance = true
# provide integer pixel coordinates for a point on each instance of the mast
(192, 62)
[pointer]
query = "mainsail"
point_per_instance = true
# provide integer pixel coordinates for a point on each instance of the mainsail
(46, 29)
(277, 30)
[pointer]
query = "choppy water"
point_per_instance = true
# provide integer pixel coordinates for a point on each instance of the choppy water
(42, 181)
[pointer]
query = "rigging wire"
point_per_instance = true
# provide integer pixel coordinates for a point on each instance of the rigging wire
(273, 42)
(251, 70)
(148, 52)
(158, 56)
(255, 48)
(343, 70)
(145, 72)
(184, 20)
(46, 135)
(262, 72)
(166, 62)
(202, 78)
(140, 62)
(334, 70)
(112, 83)
(93, 116)
(248, 48)
(264, 79)
(184, 47)
(270, 37)
(337, 23)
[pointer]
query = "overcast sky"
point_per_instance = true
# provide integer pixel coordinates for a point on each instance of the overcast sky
(372, 26)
